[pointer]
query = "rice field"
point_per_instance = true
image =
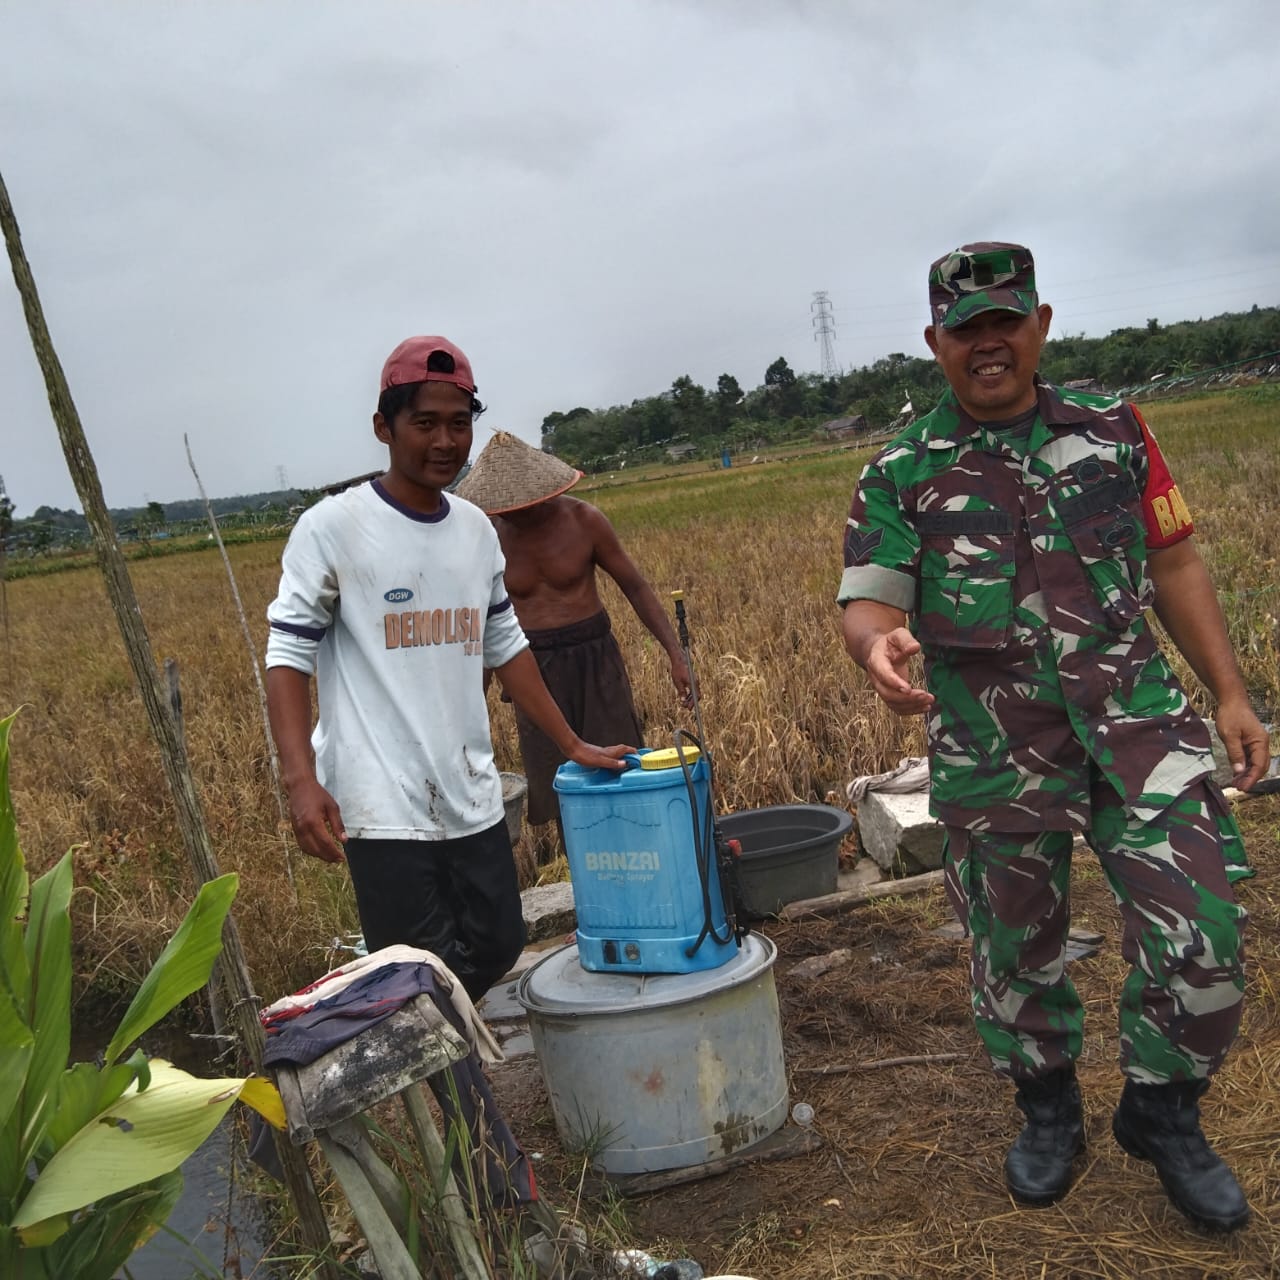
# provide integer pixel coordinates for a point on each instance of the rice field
(756, 549)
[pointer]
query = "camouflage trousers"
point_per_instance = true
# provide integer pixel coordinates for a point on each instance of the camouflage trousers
(1182, 937)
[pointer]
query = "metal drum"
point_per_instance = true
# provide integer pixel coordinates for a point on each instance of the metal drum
(659, 1071)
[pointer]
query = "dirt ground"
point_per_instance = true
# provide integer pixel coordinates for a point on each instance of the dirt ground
(908, 1180)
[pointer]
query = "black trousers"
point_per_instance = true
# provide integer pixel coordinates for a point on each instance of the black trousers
(458, 898)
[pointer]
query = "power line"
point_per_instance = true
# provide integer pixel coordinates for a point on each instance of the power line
(1171, 284)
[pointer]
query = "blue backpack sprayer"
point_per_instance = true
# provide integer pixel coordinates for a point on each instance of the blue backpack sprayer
(654, 882)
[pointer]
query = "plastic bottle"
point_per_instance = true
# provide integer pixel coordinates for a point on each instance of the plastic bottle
(802, 1114)
(680, 1269)
(636, 1262)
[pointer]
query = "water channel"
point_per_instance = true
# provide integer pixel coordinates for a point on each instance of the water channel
(218, 1228)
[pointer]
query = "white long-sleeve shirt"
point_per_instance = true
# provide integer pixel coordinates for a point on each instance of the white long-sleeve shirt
(397, 614)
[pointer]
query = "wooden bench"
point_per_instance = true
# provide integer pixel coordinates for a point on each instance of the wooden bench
(324, 1099)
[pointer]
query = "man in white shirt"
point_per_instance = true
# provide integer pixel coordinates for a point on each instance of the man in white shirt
(392, 595)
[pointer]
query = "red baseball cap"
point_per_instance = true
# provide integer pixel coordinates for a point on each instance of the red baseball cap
(408, 363)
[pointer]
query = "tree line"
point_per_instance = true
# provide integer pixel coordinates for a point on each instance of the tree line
(49, 527)
(702, 421)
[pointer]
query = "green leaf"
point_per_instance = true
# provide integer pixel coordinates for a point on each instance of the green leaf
(184, 965)
(85, 1090)
(16, 1045)
(43, 1234)
(21, 1263)
(48, 948)
(10, 1251)
(137, 1138)
(13, 1174)
(13, 884)
(100, 1243)
(77, 1103)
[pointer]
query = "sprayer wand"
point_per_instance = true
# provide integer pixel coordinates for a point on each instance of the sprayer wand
(724, 852)
(682, 629)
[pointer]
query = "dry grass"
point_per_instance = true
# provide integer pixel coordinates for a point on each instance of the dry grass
(756, 549)
(86, 772)
(908, 1184)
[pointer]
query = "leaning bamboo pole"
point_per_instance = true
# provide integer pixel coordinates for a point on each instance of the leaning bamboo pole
(256, 667)
(124, 602)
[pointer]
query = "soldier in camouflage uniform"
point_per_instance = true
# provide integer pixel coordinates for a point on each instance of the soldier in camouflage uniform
(1024, 530)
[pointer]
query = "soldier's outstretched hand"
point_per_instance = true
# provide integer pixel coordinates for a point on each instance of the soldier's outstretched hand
(887, 670)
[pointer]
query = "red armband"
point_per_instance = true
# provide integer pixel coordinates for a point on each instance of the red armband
(1165, 513)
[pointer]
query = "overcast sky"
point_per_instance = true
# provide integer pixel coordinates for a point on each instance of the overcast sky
(234, 211)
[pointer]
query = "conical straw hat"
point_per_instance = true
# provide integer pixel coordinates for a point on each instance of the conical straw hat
(510, 474)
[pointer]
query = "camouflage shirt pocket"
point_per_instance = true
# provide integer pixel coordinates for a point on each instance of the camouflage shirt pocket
(1104, 523)
(966, 579)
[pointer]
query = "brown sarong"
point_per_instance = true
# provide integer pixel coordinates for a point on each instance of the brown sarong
(583, 669)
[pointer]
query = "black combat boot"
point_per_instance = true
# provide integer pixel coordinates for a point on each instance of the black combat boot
(1161, 1123)
(1038, 1166)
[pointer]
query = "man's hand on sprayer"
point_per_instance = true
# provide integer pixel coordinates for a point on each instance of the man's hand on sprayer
(887, 670)
(590, 756)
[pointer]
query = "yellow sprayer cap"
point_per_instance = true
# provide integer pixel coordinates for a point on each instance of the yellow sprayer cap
(669, 758)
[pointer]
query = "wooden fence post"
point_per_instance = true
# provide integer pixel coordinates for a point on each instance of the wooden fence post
(216, 1014)
(124, 602)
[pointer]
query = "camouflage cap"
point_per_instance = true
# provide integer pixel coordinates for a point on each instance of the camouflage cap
(989, 276)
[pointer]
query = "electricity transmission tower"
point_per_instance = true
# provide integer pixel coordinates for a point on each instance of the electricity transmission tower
(824, 332)
(282, 478)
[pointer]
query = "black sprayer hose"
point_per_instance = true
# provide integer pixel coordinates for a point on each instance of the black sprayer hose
(703, 845)
(706, 842)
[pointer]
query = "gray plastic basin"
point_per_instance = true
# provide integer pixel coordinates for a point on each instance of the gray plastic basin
(789, 852)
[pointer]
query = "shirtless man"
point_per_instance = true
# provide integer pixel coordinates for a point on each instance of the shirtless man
(553, 546)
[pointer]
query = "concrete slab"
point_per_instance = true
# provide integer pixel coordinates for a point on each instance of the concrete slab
(548, 911)
(863, 872)
(519, 1044)
(898, 833)
(502, 1011)
(500, 1005)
